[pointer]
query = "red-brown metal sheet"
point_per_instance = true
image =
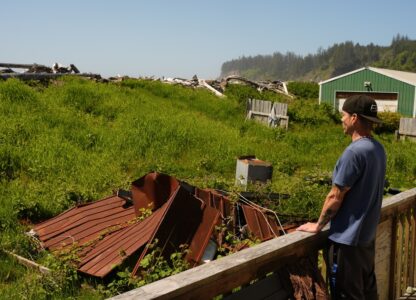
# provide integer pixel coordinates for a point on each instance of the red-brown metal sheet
(260, 224)
(83, 223)
(117, 247)
(178, 225)
(152, 191)
(210, 219)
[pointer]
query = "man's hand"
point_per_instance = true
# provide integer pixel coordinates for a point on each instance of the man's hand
(309, 227)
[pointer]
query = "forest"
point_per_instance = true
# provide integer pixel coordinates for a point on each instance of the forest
(326, 63)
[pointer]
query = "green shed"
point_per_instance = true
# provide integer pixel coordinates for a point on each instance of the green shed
(393, 90)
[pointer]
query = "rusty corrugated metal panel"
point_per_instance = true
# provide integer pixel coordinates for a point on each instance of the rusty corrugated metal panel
(83, 223)
(216, 200)
(263, 226)
(210, 219)
(204, 195)
(178, 225)
(152, 191)
(117, 247)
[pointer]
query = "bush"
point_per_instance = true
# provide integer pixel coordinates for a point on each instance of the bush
(311, 113)
(243, 92)
(304, 90)
(391, 122)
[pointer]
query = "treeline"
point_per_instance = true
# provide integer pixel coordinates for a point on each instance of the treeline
(336, 60)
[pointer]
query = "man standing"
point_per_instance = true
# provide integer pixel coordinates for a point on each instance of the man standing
(353, 205)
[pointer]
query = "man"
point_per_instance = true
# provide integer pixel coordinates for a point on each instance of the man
(353, 205)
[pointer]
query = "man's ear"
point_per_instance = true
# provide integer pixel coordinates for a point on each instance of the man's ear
(354, 118)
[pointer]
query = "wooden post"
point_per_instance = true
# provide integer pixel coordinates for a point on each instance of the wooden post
(383, 266)
(413, 247)
(393, 266)
(399, 257)
(406, 249)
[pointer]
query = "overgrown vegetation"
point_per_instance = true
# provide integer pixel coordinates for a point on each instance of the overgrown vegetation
(75, 141)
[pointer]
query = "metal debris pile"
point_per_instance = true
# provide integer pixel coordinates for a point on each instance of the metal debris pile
(158, 209)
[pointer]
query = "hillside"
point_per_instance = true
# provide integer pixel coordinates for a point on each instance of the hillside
(336, 60)
(74, 141)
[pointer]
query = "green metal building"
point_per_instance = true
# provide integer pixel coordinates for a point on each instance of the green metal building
(393, 90)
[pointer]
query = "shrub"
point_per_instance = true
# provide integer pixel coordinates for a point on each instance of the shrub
(243, 92)
(312, 113)
(304, 90)
(391, 122)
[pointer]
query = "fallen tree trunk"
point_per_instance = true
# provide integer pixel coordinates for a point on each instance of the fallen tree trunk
(18, 66)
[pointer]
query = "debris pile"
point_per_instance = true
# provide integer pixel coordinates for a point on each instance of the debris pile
(158, 209)
(38, 72)
(218, 87)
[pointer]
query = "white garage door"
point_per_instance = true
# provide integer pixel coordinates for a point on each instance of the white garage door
(385, 101)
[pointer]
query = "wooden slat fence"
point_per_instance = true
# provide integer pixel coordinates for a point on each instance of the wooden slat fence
(407, 128)
(395, 260)
(268, 112)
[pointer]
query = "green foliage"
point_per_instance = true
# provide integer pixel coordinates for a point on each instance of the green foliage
(75, 141)
(391, 122)
(152, 267)
(242, 92)
(304, 90)
(14, 90)
(311, 113)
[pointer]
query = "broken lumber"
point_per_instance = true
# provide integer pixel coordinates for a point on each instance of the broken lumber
(28, 263)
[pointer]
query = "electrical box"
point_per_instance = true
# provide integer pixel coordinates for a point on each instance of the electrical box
(250, 169)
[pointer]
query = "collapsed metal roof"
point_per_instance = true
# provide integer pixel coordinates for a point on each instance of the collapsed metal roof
(116, 229)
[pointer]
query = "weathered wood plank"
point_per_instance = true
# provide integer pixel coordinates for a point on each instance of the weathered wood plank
(219, 276)
(393, 267)
(28, 263)
(413, 243)
(397, 203)
(407, 126)
(406, 248)
(39, 76)
(17, 66)
(382, 258)
(399, 258)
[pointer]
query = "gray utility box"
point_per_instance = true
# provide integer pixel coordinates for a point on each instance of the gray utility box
(250, 169)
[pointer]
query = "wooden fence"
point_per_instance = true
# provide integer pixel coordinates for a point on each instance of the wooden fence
(395, 259)
(407, 128)
(268, 112)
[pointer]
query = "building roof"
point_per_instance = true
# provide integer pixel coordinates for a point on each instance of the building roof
(407, 77)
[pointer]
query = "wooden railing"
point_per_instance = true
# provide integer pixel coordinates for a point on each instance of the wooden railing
(395, 259)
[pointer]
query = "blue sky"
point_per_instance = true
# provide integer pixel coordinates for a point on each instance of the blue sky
(183, 38)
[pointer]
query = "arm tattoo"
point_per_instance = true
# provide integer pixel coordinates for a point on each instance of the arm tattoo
(327, 215)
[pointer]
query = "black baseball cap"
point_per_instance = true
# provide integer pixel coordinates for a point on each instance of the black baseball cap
(362, 105)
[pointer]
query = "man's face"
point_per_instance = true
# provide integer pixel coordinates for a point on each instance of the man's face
(348, 121)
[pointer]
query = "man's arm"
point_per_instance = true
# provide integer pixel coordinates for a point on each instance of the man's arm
(330, 208)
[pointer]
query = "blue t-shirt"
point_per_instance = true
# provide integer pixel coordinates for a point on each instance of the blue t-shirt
(362, 167)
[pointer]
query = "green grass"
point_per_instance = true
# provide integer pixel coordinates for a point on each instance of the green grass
(76, 141)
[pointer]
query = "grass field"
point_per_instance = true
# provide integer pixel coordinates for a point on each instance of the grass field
(75, 141)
